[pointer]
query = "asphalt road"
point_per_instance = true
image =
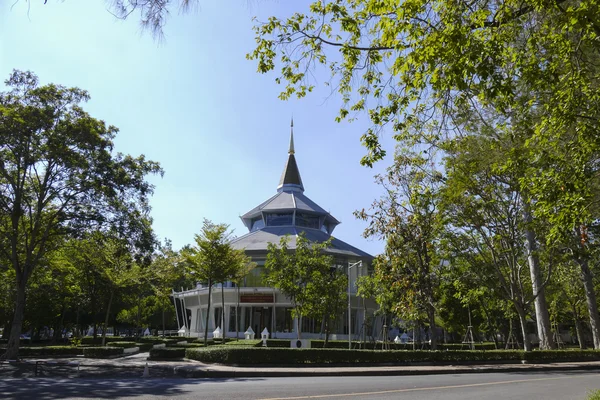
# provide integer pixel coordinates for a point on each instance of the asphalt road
(529, 386)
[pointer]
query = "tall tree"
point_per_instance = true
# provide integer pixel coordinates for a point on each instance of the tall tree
(58, 174)
(409, 64)
(410, 220)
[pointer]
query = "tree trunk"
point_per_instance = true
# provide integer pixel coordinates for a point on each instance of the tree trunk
(590, 297)
(432, 327)
(326, 320)
(106, 317)
(541, 308)
(12, 347)
(237, 314)
(223, 309)
(299, 325)
(523, 322)
(207, 313)
(578, 328)
(163, 322)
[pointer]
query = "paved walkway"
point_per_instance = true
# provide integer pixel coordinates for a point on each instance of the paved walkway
(134, 366)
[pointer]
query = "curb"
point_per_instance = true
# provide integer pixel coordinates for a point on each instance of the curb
(203, 372)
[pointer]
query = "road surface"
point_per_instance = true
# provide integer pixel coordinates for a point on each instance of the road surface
(526, 385)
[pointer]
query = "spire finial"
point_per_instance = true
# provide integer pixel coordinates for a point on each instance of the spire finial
(291, 151)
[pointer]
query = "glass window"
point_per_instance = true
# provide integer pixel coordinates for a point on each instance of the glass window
(307, 220)
(284, 320)
(256, 278)
(279, 219)
(257, 223)
(232, 319)
(217, 316)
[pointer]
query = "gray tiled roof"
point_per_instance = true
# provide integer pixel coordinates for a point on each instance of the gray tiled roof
(258, 241)
(287, 201)
(291, 174)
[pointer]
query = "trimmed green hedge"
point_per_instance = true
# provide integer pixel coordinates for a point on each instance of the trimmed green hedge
(187, 345)
(102, 352)
(167, 353)
(241, 356)
(125, 345)
(144, 346)
(244, 343)
(49, 351)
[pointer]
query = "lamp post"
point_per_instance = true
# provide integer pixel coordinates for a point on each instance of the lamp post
(359, 263)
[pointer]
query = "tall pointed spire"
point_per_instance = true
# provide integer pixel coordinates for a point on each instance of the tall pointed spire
(291, 151)
(290, 179)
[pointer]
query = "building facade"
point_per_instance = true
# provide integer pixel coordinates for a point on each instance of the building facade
(255, 305)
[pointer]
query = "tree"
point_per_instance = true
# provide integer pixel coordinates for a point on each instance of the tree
(213, 259)
(58, 175)
(163, 274)
(414, 66)
(410, 220)
(307, 276)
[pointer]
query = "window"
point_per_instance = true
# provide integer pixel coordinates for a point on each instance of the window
(307, 220)
(257, 223)
(284, 320)
(279, 219)
(256, 278)
(217, 315)
(232, 319)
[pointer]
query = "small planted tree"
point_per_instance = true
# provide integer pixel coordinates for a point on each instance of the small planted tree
(307, 277)
(213, 259)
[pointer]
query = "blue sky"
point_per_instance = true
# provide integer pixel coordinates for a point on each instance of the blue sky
(196, 105)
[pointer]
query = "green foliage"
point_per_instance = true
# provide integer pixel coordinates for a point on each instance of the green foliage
(408, 217)
(308, 277)
(168, 353)
(102, 352)
(59, 175)
(213, 259)
(125, 345)
(50, 351)
(593, 395)
(281, 356)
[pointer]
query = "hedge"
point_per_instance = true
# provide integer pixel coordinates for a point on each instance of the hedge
(188, 345)
(102, 352)
(167, 353)
(255, 356)
(144, 346)
(49, 351)
(125, 345)
(245, 343)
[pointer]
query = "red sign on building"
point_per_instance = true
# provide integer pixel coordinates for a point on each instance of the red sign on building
(256, 298)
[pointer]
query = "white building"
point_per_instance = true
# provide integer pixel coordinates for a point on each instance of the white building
(287, 213)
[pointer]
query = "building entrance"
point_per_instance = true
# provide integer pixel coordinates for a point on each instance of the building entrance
(258, 318)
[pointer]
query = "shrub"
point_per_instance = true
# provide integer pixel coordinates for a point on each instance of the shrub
(50, 351)
(125, 345)
(561, 355)
(144, 346)
(245, 343)
(256, 355)
(278, 343)
(187, 345)
(167, 353)
(102, 352)
(593, 395)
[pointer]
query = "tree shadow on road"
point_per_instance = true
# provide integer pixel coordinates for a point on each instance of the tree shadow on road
(46, 388)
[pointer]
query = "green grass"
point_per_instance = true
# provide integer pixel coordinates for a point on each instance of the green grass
(594, 395)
